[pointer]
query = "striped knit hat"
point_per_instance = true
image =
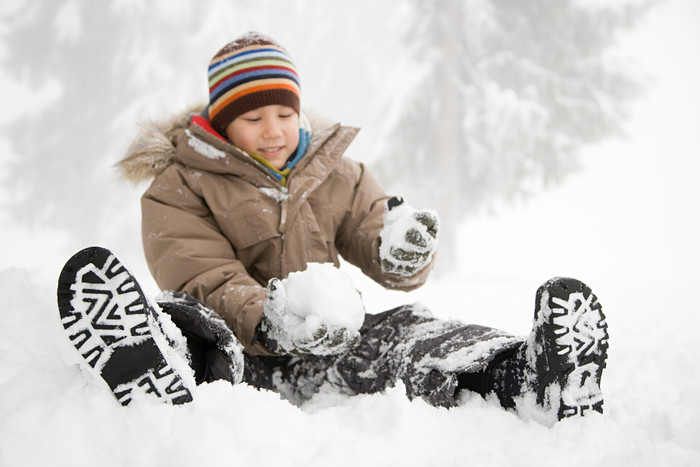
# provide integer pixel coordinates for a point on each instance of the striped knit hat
(250, 72)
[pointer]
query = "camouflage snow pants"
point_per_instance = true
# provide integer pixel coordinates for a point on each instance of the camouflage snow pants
(430, 356)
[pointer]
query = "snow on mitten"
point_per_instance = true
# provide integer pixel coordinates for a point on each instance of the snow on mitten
(408, 239)
(317, 311)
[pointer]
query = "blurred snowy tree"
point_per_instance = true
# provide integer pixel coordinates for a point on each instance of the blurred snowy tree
(96, 70)
(101, 68)
(499, 97)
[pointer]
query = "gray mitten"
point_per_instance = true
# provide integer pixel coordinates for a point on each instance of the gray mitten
(408, 239)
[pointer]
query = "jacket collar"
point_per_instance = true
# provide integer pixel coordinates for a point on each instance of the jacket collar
(201, 147)
(159, 143)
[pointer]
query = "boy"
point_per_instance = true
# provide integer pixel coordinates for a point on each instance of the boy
(248, 192)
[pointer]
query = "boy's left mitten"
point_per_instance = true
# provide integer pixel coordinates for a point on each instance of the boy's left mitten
(408, 239)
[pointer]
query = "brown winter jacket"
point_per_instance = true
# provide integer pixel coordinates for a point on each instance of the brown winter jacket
(218, 226)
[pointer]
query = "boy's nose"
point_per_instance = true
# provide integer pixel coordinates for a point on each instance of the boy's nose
(271, 130)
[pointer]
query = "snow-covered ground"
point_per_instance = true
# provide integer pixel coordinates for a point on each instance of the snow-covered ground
(627, 225)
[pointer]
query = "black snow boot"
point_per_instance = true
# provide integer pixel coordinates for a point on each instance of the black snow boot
(215, 353)
(119, 334)
(562, 361)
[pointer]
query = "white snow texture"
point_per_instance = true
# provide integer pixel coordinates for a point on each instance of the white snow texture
(206, 150)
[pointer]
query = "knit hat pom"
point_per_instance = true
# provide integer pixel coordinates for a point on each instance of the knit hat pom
(250, 72)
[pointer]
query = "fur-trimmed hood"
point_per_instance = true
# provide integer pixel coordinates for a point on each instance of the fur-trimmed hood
(153, 149)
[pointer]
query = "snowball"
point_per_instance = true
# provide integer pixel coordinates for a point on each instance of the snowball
(306, 301)
(324, 292)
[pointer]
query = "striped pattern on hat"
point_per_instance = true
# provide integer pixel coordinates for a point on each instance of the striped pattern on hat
(250, 72)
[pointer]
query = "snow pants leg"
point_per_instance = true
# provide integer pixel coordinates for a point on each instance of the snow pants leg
(433, 358)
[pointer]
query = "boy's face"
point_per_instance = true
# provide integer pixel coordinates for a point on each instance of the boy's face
(271, 131)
